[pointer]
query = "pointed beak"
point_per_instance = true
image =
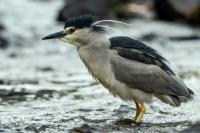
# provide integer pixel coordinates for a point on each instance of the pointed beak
(55, 35)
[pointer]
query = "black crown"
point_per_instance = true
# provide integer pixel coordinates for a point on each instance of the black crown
(80, 21)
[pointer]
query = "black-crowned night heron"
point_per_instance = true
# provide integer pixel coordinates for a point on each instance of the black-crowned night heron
(128, 68)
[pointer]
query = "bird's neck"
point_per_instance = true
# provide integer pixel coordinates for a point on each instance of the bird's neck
(95, 51)
(93, 57)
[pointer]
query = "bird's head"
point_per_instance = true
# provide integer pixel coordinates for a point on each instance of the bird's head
(77, 30)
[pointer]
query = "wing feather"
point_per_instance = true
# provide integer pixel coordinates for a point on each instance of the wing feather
(138, 51)
(139, 66)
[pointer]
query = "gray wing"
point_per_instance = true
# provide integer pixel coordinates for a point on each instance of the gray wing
(138, 51)
(137, 70)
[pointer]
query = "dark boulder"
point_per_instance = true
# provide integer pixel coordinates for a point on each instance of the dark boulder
(100, 8)
(182, 10)
(166, 11)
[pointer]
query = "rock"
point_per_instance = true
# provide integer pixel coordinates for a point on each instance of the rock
(2, 82)
(125, 121)
(80, 7)
(185, 38)
(165, 10)
(148, 37)
(134, 10)
(13, 55)
(194, 16)
(184, 10)
(83, 129)
(45, 69)
(193, 129)
(3, 41)
(101, 8)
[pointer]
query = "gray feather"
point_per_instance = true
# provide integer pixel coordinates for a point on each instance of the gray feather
(138, 51)
(149, 78)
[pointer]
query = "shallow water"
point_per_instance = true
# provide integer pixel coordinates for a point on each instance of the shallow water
(44, 87)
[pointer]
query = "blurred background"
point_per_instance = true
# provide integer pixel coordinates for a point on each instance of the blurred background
(44, 87)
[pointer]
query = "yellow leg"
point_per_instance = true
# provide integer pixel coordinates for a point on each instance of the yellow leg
(138, 107)
(141, 112)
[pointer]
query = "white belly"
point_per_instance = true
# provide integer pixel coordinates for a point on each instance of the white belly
(129, 94)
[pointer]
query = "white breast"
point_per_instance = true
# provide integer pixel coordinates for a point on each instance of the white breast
(97, 62)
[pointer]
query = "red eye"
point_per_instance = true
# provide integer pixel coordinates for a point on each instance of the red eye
(72, 30)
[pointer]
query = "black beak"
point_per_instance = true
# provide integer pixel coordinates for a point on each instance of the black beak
(55, 35)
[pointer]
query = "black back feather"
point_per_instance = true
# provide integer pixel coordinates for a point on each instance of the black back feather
(138, 51)
(80, 21)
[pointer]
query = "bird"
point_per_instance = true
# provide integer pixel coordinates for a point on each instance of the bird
(126, 67)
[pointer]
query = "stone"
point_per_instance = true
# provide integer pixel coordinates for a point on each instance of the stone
(3, 41)
(172, 10)
(100, 8)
